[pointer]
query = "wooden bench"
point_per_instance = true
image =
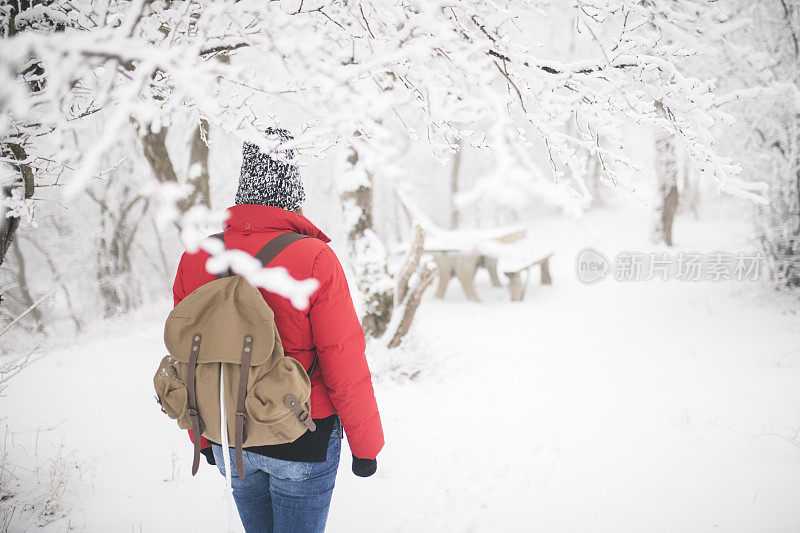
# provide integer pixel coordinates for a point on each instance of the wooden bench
(458, 255)
(463, 265)
(516, 285)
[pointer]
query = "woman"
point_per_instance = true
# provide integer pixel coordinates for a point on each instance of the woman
(288, 487)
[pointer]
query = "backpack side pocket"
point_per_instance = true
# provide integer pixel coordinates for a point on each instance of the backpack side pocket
(171, 392)
(265, 400)
(269, 420)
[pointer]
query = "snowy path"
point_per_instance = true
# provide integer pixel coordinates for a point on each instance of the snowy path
(608, 408)
(605, 423)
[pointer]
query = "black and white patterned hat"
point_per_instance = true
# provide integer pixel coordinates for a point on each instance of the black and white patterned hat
(268, 181)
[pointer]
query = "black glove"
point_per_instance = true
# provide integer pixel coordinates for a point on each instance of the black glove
(364, 467)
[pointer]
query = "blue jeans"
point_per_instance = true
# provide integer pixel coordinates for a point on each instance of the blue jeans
(278, 496)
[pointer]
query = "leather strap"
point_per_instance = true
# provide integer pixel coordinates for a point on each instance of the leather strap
(269, 251)
(277, 245)
(197, 423)
(244, 370)
(293, 404)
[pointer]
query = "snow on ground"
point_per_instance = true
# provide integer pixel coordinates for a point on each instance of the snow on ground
(615, 407)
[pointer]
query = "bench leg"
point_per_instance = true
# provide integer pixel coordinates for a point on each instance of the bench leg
(546, 279)
(490, 263)
(445, 266)
(516, 287)
(466, 266)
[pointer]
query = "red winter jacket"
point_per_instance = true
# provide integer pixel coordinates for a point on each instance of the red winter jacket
(329, 325)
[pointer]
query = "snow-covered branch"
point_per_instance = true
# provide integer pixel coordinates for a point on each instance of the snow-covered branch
(434, 70)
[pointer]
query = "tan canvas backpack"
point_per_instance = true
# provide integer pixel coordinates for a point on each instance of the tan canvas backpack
(224, 346)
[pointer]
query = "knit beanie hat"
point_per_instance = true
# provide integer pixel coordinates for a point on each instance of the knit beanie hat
(268, 181)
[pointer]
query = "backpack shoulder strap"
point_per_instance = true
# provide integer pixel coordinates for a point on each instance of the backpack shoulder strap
(277, 245)
(268, 252)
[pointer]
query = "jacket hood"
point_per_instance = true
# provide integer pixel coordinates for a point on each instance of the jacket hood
(247, 218)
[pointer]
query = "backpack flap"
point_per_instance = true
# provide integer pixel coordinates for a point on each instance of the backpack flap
(223, 312)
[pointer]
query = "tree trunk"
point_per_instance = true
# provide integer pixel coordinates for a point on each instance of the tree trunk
(9, 225)
(118, 228)
(198, 166)
(410, 265)
(668, 208)
(454, 218)
(154, 146)
(689, 192)
(667, 179)
(155, 151)
(367, 253)
(411, 304)
(407, 297)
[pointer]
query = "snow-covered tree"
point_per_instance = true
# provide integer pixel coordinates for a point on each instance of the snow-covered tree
(356, 73)
(777, 129)
(760, 60)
